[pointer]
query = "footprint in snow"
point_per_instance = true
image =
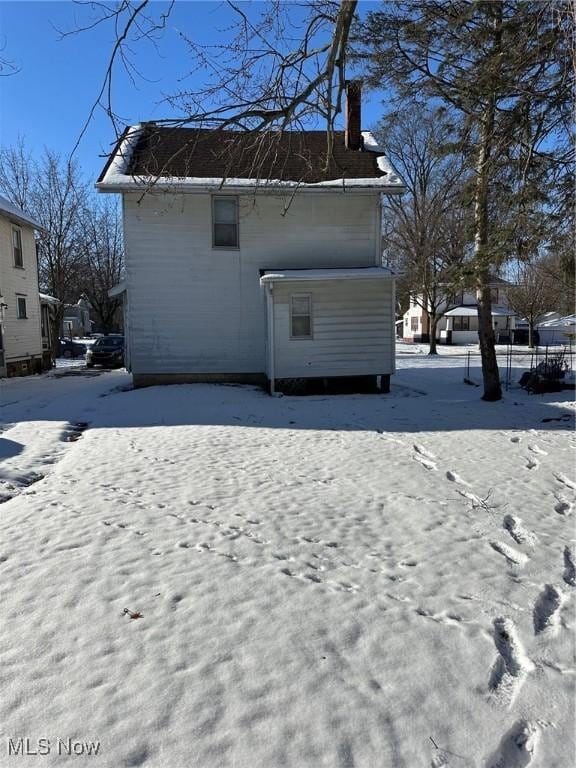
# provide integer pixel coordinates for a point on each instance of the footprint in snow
(538, 450)
(562, 506)
(424, 457)
(532, 463)
(565, 480)
(570, 564)
(511, 666)
(455, 478)
(546, 614)
(515, 439)
(520, 534)
(513, 557)
(517, 747)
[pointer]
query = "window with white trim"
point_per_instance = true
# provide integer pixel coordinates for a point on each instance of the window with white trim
(22, 314)
(414, 323)
(17, 247)
(225, 222)
(301, 316)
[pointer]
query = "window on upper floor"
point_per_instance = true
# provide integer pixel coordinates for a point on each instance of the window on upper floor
(301, 316)
(22, 314)
(225, 222)
(494, 295)
(17, 247)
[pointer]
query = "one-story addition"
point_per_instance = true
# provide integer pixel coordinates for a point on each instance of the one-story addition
(255, 258)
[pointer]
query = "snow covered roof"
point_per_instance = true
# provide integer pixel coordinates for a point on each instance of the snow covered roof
(473, 311)
(48, 299)
(118, 289)
(562, 322)
(365, 273)
(149, 155)
(14, 212)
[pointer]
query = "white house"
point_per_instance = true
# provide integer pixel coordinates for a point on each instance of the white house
(275, 276)
(20, 333)
(459, 323)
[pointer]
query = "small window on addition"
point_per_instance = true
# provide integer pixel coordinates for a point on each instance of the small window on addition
(22, 308)
(225, 222)
(17, 247)
(301, 316)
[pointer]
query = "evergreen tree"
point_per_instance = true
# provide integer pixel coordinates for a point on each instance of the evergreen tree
(505, 66)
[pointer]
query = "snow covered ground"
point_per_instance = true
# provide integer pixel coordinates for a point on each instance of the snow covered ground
(204, 577)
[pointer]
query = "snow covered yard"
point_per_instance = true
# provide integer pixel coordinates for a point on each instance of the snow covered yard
(325, 582)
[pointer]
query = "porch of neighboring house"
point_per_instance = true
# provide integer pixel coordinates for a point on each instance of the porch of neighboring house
(460, 325)
(48, 305)
(329, 329)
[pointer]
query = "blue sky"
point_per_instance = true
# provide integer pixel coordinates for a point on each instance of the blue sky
(49, 98)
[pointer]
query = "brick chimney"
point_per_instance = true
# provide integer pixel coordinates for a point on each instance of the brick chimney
(353, 120)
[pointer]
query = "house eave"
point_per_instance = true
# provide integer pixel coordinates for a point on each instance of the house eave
(238, 186)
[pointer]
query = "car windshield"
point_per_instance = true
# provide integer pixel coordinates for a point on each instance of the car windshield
(109, 341)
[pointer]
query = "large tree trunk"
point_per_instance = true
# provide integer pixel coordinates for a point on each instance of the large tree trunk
(531, 333)
(433, 319)
(490, 373)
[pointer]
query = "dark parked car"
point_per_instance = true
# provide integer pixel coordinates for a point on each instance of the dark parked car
(70, 348)
(107, 351)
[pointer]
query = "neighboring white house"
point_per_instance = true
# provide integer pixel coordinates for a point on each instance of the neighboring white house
(76, 320)
(20, 334)
(459, 323)
(230, 277)
(554, 328)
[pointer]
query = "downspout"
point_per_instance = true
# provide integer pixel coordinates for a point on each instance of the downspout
(270, 318)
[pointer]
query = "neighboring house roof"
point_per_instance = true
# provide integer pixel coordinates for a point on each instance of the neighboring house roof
(118, 289)
(13, 212)
(473, 311)
(362, 273)
(200, 158)
(559, 323)
(48, 299)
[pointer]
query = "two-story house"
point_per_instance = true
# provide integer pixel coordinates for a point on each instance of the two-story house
(249, 270)
(459, 321)
(20, 333)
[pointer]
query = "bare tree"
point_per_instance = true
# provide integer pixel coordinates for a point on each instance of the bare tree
(277, 66)
(427, 231)
(102, 254)
(52, 191)
(532, 295)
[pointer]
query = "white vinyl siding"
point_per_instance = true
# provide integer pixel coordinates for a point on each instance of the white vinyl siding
(353, 330)
(196, 309)
(22, 340)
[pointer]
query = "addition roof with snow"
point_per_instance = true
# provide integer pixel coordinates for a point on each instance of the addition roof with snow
(190, 157)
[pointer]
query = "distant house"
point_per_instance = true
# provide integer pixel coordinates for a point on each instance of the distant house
(76, 320)
(20, 332)
(270, 277)
(459, 323)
